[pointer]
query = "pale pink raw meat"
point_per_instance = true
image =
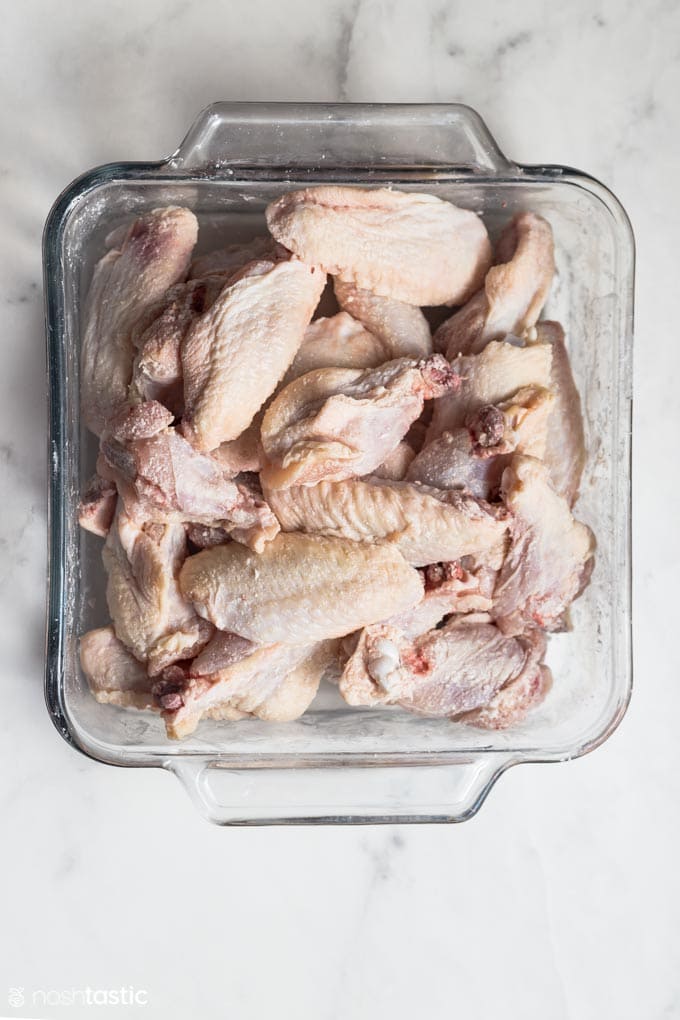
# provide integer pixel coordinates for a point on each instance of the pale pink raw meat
(154, 254)
(396, 464)
(276, 682)
(488, 378)
(455, 668)
(513, 702)
(157, 368)
(412, 247)
(401, 329)
(426, 525)
(162, 478)
(234, 355)
(149, 614)
(300, 589)
(338, 341)
(335, 423)
(514, 291)
(448, 588)
(450, 462)
(243, 453)
(473, 458)
(565, 451)
(115, 676)
(550, 558)
(225, 262)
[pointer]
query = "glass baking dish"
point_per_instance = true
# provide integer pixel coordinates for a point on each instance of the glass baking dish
(337, 764)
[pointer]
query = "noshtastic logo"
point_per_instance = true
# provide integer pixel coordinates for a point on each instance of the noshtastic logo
(126, 995)
(15, 997)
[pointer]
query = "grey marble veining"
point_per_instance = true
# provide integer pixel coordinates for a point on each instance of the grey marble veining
(561, 899)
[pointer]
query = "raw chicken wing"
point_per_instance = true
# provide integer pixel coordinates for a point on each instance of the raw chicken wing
(162, 478)
(277, 682)
(514, 291)
(235, 354)
(474, 458)
(300, 589)
(402, 329)
(149, 614)
(453, 669)
(426, 525)
(154, 254)
(550, 558)
(115, 676)
(337, 342)
(488, 378)
(157, 368)
(225, 262)
(565, 452)
(513, 702)
(98, 505)
(334, 423)
(414, 248)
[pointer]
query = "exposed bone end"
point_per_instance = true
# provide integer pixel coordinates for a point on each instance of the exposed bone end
(98, 506)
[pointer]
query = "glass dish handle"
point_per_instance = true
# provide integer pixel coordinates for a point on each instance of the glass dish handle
(337, 794)
(347, 137)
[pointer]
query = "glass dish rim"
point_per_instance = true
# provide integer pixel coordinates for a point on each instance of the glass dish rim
(172, 169)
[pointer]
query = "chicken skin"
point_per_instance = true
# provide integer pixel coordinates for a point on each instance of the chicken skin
(401, 329)
(154, 254)
(300, 589)
(236, 353)
(426, 525)
(456, 668)
(514, 292)
(550, 558)
(414, 248)
(335, 423)
(150, 615)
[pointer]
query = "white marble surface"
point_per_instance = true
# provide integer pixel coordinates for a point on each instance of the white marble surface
(562, 898)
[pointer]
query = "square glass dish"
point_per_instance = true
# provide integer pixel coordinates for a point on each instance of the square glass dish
(337, 764)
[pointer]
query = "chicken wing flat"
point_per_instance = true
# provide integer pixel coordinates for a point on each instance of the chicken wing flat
(235, 354)
(514, 291)
(489, 378)
(334, 423)
(403, 330)
(453, 669)
(161, 478)
(149, 614)
(153, 256)
(411, 247)
(338, 341)
(550, 558)
(426, 525)
(565, 452)
(115, 676)
(300, 589)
